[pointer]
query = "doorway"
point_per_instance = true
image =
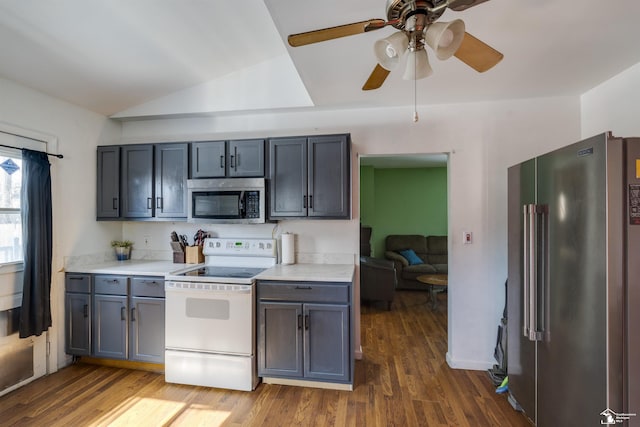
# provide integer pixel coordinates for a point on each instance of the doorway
(403, 195)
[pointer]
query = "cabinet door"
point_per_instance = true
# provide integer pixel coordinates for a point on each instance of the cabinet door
(110, 326)
(137, 181)
(326, 342)
(108, 200)
(246, 158)
(288, 177)
(280, 339)
(329, 177)
(208, 159)
(78, 324)
(146, 329)
(171, 173)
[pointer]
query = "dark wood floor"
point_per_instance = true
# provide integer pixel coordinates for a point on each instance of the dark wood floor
(402, 381)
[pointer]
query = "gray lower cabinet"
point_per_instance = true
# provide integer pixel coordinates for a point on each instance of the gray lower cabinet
(110, 316)
(219, 159)
(78, 314)
(146, 325)
(304, 331)
(123, 318)
(310, 177)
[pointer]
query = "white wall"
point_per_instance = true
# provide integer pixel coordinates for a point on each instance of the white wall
(75, 231)
(483, 139)
(613, 106)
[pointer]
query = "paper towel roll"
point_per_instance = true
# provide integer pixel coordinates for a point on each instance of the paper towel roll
(288, 248)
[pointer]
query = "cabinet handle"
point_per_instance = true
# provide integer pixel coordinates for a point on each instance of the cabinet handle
(158, 202)
(299, 321)
(115, 203)
(133, 314)
(76, 278)
(221, 162)
(232, 165)
(311, 202)
(149, 202)
(86, 310)
(304, 201)
(150, 282)
(304, 287)
(306, 322)
(123, 313)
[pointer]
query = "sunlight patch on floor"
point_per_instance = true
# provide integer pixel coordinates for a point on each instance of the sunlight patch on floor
(155, 412)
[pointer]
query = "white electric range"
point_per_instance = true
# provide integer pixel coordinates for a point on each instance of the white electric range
(210, 331)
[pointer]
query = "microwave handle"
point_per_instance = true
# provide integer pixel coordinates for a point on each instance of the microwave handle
(241, 203)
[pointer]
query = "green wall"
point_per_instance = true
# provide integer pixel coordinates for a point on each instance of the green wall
(403, 201)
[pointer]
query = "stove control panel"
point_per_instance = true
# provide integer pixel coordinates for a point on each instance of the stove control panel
(243, 246)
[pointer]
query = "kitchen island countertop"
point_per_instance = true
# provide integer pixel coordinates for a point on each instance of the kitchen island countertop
(309, 272)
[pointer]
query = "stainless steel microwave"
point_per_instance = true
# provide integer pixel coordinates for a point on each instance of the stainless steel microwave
(227, 201)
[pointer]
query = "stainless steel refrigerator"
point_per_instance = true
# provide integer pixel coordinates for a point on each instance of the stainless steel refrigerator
(574, 284)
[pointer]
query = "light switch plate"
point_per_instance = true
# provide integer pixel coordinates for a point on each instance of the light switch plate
(467, 237)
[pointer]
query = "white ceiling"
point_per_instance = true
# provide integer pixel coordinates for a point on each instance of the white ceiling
(112, 56)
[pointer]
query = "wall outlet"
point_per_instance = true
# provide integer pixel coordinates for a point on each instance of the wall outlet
(467, 237)
(147, 241)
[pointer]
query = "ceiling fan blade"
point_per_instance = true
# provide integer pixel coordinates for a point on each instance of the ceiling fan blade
(459, 5)
(324, 34)
(377, 78)
(476, 54)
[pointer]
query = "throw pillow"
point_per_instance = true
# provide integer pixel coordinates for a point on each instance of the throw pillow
(411, 256)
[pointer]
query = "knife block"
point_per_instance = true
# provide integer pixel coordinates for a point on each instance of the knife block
(193, 255)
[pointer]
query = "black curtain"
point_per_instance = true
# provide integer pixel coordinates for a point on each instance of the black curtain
(35, 199)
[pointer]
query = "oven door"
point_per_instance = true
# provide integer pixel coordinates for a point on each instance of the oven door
(210, 317)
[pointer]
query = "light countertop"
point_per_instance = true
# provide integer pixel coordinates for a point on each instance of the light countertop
(293, 272)
(133, 268)
(309, 272)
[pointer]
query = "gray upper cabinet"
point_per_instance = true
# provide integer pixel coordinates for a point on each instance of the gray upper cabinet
(108, 200)
(310, 177)
(208, 159)
(246, 158)
(137, 181)
(288, 177)
(143, 181)
(171, 173)
(219, 159)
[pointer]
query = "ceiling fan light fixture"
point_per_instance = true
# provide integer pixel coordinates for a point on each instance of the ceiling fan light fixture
(445, 37)
(417, 65)
(389, 50)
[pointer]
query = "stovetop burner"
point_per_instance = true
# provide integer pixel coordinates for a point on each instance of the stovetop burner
(224, 272)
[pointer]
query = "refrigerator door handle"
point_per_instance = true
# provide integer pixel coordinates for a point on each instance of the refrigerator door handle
(540, 327)
(533, 272)
(525, 270)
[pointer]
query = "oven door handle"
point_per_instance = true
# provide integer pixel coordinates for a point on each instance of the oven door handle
(200, 288)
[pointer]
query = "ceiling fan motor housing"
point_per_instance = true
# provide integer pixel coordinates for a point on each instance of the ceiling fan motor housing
(398, 11)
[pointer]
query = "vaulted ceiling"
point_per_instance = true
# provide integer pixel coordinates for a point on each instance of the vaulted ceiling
(138, 57)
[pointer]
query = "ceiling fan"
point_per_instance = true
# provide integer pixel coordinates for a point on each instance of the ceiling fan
(416, 22)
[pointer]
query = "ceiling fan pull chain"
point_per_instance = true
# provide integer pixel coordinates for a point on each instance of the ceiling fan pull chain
(415, 92)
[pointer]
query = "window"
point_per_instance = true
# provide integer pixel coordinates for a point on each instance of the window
(10, 219)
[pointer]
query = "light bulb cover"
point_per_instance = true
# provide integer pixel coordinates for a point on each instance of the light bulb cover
(445, 38)
(417, 65)
(389, 50)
